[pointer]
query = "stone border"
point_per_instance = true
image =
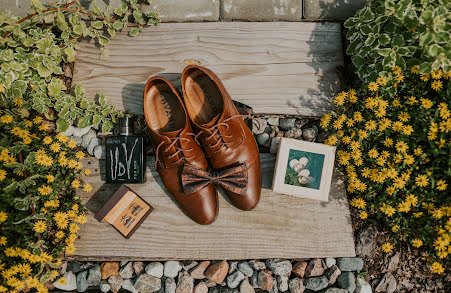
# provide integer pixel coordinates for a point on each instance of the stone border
(229, 10)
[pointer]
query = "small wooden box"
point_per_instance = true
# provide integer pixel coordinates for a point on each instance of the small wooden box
(125, 211)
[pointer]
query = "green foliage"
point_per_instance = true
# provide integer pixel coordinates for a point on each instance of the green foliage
(386, 33)
(34, 49)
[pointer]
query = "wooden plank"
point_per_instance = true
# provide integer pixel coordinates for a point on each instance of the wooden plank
(276, 67)
(281, 226)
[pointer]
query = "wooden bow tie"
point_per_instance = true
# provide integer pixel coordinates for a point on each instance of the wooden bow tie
(232, 178)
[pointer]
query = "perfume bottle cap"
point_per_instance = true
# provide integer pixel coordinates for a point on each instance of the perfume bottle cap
(125, 126)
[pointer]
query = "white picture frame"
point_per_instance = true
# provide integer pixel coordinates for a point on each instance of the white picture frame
(304, 169)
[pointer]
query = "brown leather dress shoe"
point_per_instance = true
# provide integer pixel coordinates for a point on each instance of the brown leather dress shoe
(176, 147)
(224, 136)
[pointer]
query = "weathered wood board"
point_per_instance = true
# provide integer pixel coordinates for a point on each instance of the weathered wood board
(274, 67)
(281, 226)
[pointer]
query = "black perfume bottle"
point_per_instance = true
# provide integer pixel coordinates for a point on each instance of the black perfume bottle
(124, 155)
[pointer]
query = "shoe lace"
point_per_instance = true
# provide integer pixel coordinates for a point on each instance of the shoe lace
(178, 149)
(214, 131)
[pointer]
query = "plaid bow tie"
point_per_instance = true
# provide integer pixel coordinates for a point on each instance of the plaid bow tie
(232, 178)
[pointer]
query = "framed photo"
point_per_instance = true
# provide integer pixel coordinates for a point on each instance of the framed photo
(304, 169)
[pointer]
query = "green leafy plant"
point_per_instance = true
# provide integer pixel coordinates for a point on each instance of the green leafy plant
(393, 140)
(387, 33)
(34, 49)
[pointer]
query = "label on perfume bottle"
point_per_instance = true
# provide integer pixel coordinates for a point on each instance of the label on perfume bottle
(124, 159)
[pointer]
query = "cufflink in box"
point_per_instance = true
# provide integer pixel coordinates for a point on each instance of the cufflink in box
(125, 211)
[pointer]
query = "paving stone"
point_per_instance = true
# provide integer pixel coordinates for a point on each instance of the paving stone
(349, 264)
(261, 10)
(331, 9)
(347, 281)
(182, 10)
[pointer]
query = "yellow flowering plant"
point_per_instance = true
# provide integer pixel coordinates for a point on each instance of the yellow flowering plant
(40, 212)
(393, 139)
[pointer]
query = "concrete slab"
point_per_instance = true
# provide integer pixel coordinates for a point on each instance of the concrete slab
(183, 11)
(261, 10)
(331, 9)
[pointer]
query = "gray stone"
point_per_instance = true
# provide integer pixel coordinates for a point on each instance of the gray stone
(330, 261)
(77, 140)
(317, 283)
(301, 123)
(257, 265)
(296, 285)
(366, 242)
(185, 283)
(184, 11)
(245, 287)
(19, 7)
(363, 287)
(170, 285)
(99, 152)
(309, 134)
(233, 265)
(201, 287)
(188, 264)
(349, 264)
(219, 289)
(94, 276)
(81, 131)
(75, 266)
(263, 139)
(287, 123)
(116, 283)
(246, 268)
(172, 268)
(155, 269)
(321, 138)
(128, 285)
(315, 268)
(254, 280)
(163, 282)
(71, 283)
(331, 9)
(235, 279)
(104, 286)
(126, 271)
(85, 139)
(210, 283)
(274, 147)
(259, 125)
(275, 288)
(273, 121)
(347, 281)
(281, 267)
(332, 274)
(282, 282)
(138, 267)
(261, 10)
(294, 133)
(82, 282)
(335, 290)
(92, 144)
(69, 131)
(387, 284)
(147, 283)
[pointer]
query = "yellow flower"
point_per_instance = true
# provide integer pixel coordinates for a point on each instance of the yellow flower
(87, 172)
(426, 103)
(421, 180)
(62, 138)
(373, 153)
(409, 160)
(50, 178)
(418, 151)
(363, 134)
(59, 234)
(417, 243)
(43, 127)
(62, 280)
(373, 86)
(404, 207)
(40, 226)
(387, 247)
(79, 155)
(3, 216)
(2, 88)
(404, 117)
(399, 77)
(415, 68)
(437, 74)
(437, 213)
(397, 126)
(412, 199)
(6, 119)
(45, 190)
(3, 240)
(370, 125)
(396, 103)
(73, 228)
(387, 210)
(2, 174)
(401, 146)
(424, 77)
(18, 102)
(395, 228)
(445, 126)
(358, 203)
(382, 80)
(363, 215)
(82, 219)
(75, 183)
(71, 144)
(437, 268)
(358, 116)
(417, 215)
(331, 140)
(340, 98)
(47, 140)
(441, 185)
(325, 120)
(87, 188)
(55, 147)
(388, 142)
(437, 85)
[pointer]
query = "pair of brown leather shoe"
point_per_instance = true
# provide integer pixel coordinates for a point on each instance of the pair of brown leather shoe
(201, 142)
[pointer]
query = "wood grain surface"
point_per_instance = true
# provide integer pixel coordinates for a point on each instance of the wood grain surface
(281, 226)
(274, 67)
